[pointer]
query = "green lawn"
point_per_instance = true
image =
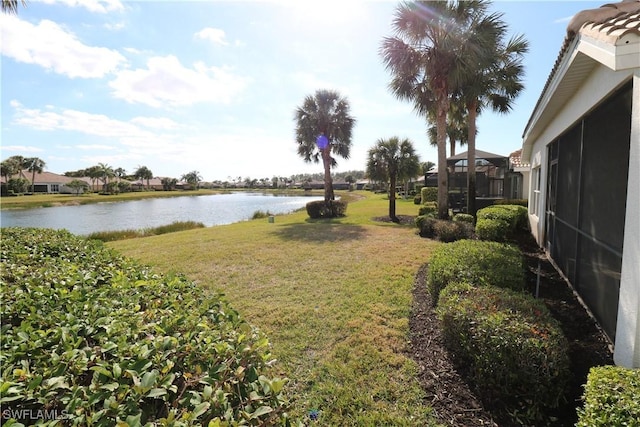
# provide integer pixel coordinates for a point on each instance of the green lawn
(333, 297)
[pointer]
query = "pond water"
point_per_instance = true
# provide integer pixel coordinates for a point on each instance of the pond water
(210, 210)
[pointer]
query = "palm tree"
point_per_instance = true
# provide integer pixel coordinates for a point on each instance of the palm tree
(105, 172)
(34, 165)
(143, 172)
(394, 160)
(495, 83)
(323, 127)
(11, 6)
(11, 166)
(456, 127)
(193, 178)
(428, 56)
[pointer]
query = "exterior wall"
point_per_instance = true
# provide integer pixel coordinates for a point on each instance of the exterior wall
(627, 346)
(600, 83)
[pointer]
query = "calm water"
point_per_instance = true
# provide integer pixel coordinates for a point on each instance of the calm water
(210, 210)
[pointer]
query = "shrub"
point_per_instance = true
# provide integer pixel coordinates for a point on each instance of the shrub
(429, 194)
(517, 216)
(425, 224)
(450, 231)
(481, 263)
(330, 209)
(261, 214)
(463, 217)
(519, 202)
(91, 334)
(417, 199)
(611, 398)
(429, 208)
(495, 230)
(508, 346)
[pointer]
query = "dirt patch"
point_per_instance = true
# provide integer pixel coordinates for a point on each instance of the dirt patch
(403, 219)
(447, 393)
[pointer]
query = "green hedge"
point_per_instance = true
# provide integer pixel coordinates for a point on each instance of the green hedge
(611, 398)
(463, 217)
(482, 263)
(429, 194)
(519, 202)
(494, 230)
(330, 209)
(428, 208)
(510, 349)
(103, 341)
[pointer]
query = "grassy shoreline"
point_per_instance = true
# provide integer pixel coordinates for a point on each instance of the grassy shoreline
(333, 296)
(51, 200)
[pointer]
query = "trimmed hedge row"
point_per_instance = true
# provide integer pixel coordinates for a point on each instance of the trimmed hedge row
(445, 231)
(505, 342)
(611, 398)
(330, 209)
(499, 222)
(429, 194)
(96, 338)
(477, 262)
(512, 352)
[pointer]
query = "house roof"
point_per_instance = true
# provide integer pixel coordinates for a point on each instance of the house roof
(515, 159)
(479, 155)
(608, 35)
(44, 177)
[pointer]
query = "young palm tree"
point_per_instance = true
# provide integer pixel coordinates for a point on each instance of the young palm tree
(428, 56)
(34, 165)
(392, 160)
(495, 83)
(325, 114)
(457, 130)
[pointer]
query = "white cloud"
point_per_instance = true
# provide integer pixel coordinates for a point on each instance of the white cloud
(97, 6)
(155, 122)
(166, 81)
(93, 147)
(52, 47)
(21, 149)
(215, 35)
(78, 121)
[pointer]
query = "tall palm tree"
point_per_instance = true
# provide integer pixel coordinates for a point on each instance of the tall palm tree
(427, 57)
(456, 127)
(393, 160)
(495, 83)
(34, 165)
(11, 6)
(324, 127)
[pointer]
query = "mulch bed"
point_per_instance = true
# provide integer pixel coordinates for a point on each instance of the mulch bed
(453, 402)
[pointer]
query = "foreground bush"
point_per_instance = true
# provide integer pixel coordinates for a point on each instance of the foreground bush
(443, 230)
(330, 209)
(92, 337)
(509, 348)
(611, 398)
(481, 263)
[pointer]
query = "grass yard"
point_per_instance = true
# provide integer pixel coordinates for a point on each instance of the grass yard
(333, 297)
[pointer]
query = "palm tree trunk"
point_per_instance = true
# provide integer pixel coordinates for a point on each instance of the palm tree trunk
(328, 182)
(392, 198)
(471, 158)
(452, 146)
(33, 177)
(441, 138)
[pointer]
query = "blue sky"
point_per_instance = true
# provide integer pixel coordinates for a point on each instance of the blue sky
(212, 85)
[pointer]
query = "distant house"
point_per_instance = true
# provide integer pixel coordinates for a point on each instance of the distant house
(517, 181)
(48, 182)
(582, 142)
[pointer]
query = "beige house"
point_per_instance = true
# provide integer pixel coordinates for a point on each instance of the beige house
(582, 142)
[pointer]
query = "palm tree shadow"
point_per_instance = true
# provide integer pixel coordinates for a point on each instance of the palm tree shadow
(320, 231)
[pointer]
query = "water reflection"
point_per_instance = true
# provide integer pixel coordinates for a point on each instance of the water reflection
(210, 210)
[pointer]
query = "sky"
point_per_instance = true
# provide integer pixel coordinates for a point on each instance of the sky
(212, 86)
